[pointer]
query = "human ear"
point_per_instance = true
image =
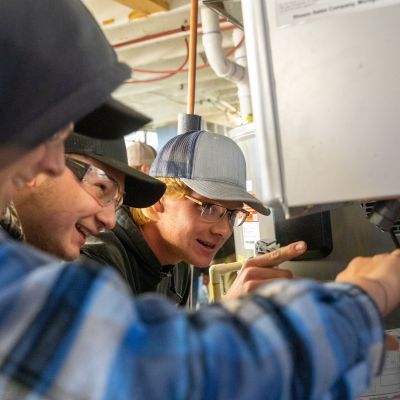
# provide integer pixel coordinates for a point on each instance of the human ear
(32, 183)
(144, 168)
(37, 181)
(159, 206)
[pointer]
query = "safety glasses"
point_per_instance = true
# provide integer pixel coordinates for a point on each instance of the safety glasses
(96, 182)
(213, 212)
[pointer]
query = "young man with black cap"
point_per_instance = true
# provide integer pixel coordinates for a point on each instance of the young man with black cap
(72, 331)
(58, 213)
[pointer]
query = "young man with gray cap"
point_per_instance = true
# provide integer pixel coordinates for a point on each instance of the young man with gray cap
(204, 201)
(72, 331)
(57, 214)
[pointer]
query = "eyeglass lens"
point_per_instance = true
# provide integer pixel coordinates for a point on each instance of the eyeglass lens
(96, 182)
(101, 186)
(213, 212)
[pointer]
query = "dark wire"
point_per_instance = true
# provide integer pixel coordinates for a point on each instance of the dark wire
(394, 238)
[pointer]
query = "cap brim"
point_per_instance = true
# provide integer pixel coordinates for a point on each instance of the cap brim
(141, 190)
(225, 192)
(111, 120)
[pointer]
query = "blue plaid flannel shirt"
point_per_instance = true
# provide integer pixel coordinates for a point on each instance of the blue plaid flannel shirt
(74, 332)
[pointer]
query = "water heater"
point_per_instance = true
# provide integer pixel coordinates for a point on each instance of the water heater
(325, 84)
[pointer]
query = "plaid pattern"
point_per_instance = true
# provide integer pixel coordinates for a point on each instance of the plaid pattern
(11, 223)
(73, 332)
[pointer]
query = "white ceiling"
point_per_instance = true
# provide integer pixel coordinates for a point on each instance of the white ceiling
(157, 43)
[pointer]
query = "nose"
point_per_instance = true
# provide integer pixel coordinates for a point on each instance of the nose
(106, 216)
(52, 162)
(222, 227)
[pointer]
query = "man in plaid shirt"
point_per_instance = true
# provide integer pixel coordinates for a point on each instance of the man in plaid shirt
(72, 331)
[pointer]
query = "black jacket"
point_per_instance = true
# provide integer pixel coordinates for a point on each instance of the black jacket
(126, 250)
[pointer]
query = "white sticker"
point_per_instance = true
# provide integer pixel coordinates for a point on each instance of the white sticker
(291, 12)
(249, 185)
(251, 234)
(387, 385)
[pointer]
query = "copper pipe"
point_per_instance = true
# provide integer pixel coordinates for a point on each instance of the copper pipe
(192, 56)
(171, 32)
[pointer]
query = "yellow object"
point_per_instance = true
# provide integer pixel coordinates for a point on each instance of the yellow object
(218, 285)
(108, 21)
(136, 15)
(146, 6)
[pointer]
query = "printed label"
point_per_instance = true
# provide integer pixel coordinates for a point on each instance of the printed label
(292, 12)
(251, 234)
(253, 216)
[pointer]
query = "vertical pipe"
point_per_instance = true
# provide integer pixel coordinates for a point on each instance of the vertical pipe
(192, 56)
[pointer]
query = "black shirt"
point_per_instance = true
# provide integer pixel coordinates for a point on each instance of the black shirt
(125, 249)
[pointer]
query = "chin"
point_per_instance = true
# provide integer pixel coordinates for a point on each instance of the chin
(70, 255)
(201, 263)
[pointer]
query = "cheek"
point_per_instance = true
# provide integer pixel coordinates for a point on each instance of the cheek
(189, 229)
(63, 221)
(6, 176)
(76, 205)
(70, 198)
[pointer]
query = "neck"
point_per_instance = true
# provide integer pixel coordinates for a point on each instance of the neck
(158, 245)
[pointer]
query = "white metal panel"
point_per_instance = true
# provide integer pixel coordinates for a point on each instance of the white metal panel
(262, 93)
(326, 95)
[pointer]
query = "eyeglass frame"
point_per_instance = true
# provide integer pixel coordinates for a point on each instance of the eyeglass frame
(231, 211)
(117, 200)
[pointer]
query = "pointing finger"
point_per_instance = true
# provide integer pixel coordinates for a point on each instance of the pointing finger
(278, 256)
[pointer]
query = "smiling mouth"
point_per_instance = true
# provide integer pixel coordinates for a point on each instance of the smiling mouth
(207, 245)
(82, 230)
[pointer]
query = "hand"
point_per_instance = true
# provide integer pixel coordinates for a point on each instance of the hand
(391, 343)
(261, 269)
(379, 276)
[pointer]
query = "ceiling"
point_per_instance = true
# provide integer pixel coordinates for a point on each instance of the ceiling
(153, 45)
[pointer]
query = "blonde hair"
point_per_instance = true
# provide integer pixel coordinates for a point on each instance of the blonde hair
(175, 188)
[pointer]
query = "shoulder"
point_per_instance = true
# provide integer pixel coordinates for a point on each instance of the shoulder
(105, 248)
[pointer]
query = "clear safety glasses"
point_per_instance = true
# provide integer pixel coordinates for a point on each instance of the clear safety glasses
(213, 212)
(96, 182)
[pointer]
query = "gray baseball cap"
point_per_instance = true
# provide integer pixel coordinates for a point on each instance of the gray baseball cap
(209, 164)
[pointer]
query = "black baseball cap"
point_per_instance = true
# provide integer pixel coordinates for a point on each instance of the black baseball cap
(141, 190)
(56, 67)
(112, 119)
